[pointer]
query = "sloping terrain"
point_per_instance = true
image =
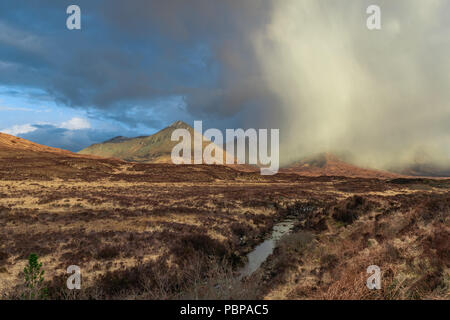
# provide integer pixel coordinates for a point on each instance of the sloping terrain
(326, 164)
(9, 143)
(425, 169)
(21, 159)
(164, 231)
(425, 163)
(156, 148)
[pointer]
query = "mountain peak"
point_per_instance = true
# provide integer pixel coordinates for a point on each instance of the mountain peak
(179, 125)
(154, 148)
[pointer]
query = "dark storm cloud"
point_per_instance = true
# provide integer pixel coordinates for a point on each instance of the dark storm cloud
(129, 53)
(227, 80)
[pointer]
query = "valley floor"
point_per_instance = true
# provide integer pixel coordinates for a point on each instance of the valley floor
(166, 231)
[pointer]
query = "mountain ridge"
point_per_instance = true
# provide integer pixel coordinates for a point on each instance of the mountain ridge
(155, 148)
(323, 164)
(328, 164)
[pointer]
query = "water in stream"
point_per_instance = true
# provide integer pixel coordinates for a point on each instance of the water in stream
(265, 249)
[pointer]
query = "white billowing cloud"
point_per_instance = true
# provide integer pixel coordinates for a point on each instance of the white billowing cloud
(76, 124)
(19, 129)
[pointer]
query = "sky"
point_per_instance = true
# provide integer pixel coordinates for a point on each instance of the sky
(310, 68)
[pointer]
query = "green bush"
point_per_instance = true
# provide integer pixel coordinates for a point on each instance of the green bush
(34, 279)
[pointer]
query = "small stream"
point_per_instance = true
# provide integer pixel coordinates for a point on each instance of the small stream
(265, 249)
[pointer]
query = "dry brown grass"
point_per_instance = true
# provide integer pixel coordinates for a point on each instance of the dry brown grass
(116, 220)
(410, 245)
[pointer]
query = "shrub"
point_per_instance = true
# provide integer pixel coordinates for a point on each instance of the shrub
(350, 209)
(192, 244)
(108, 252)
(3, 257)
(240, 229)
(34, 278)
(296, 241)
(329, 261)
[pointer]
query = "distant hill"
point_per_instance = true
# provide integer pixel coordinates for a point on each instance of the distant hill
(12, 146)
(326, 164)
(24, 160)
(9, 143)
(425, 162)
(156, 148)
(426, 170)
